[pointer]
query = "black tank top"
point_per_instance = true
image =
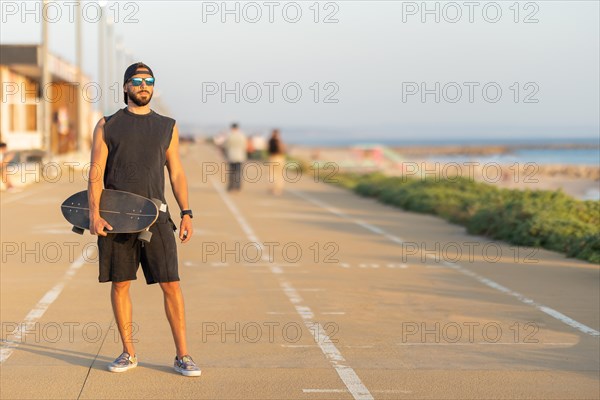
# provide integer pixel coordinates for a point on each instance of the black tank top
(137, 146)
(274, 146)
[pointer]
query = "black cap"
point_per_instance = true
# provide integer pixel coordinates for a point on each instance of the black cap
(137, 68)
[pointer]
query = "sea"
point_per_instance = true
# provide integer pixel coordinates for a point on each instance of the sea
(526, 149)
(566, 156)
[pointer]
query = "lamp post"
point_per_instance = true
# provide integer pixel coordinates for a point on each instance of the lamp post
(45, 82)
(78, 60)
(101, 54)
(110, 68)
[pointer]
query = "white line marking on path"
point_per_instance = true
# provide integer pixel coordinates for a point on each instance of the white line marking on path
(345, 391)
(345, 216)
(38, 311)
(238, 216)
(300, 290)
(349, 346)
(19, 196)
(53, 232)
(269, 265)
(219, 264)
(486, 343)
(345, 372)
(547, 310)
(42, 200)
(488, 282)
(348, 376)
(264, 271)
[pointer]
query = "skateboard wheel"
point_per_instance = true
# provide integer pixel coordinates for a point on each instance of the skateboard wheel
(145, 236)
(78, 230)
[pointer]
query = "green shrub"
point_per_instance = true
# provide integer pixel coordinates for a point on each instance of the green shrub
(540, 218)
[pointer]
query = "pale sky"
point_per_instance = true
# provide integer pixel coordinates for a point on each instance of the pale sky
(374, 55)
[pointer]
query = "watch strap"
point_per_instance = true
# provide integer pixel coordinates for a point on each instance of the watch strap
(186, 212)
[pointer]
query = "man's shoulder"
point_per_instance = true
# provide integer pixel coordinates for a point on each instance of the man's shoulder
(107, 118)
(164, 117)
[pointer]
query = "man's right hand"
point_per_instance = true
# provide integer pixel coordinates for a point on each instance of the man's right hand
(97, 225)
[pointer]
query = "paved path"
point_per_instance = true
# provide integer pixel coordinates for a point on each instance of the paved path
(317, 294)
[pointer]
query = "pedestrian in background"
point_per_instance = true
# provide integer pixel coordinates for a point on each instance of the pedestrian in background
(5, 158)
(277, 158)
(236, 146)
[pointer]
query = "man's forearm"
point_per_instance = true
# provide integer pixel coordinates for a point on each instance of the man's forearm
(94, 193)
(180, 191)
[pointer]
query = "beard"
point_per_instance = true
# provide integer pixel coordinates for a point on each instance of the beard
(137, 99)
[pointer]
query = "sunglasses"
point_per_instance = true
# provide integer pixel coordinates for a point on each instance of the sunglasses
(138, 81)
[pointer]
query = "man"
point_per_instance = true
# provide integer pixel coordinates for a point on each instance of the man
(236, 146)
(129, 151)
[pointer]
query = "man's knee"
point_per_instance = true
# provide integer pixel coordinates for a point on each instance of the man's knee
(170, 287)
(121, 286)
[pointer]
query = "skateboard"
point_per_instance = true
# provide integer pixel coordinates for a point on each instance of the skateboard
(125, 212)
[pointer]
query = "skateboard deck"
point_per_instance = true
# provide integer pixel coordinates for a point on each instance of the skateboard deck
(125, 212)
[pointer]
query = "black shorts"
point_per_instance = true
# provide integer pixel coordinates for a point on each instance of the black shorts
(120, 254)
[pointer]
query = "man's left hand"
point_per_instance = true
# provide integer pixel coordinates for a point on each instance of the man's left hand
(185, 229)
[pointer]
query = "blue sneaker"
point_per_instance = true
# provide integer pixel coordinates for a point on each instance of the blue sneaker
(186, 366)
(123, 363)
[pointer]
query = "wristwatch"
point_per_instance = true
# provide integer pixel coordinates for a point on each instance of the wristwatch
(186, 212)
